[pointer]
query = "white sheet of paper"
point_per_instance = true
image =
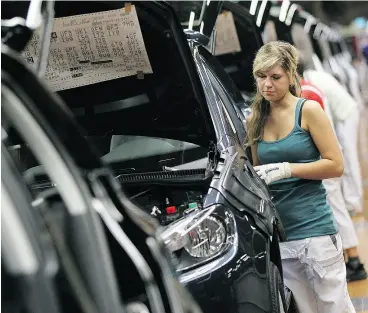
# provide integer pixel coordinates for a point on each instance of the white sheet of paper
(90, 48)
(227, 40)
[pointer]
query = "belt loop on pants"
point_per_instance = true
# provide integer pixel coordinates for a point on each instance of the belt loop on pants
(313, 264)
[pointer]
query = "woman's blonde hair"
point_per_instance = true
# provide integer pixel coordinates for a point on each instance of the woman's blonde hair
(270, 55)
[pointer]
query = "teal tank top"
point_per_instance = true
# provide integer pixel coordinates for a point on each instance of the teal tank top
(301, 203)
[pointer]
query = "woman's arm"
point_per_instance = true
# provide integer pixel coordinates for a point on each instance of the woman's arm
(331, 164)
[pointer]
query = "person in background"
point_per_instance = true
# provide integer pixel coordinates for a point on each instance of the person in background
(362, 67)
(365, 52)
(345, 116)
(310, 92)
(354, 268)
(293, 149)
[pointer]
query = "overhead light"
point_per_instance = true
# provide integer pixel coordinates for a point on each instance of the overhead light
(284, 8)
(275, 11)
(304, 14)
(360, 22)
(308, 24)
(253, 7)
(326, 31)
(290, 14)
(261, 12)
(318, 30)
(317, 63)
(34, 16)
(191, 20)
(208, 2)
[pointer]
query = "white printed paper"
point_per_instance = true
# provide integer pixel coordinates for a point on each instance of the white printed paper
(90, 48)
(227, 40)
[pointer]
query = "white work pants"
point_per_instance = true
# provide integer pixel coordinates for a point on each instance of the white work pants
(336, 199)
(314, 270)
(352, 187)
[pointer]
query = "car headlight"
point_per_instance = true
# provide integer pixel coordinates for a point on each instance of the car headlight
(200, 236)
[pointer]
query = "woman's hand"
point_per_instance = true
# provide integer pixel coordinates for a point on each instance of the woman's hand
(273, 172)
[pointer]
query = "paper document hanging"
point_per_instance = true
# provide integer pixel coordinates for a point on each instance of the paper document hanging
(90, 48)
(227, 40)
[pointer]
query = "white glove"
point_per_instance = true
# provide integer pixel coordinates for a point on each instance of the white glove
(273, 172)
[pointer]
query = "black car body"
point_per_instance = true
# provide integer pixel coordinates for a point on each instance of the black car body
(60, 236)
(174, 140)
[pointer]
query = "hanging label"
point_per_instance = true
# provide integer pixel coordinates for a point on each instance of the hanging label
(90, 48)
(227, 40)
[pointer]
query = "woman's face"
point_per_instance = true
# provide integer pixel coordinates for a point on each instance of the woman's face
(273, 84)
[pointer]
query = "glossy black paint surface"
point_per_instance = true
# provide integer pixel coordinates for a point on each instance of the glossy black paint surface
(241, 283)
(140, 228)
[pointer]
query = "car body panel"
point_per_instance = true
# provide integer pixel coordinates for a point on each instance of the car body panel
(141, 251)
(208, 120)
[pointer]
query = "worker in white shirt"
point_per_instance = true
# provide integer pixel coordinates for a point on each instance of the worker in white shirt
(353, 80)
(354, 268)
(345, 116)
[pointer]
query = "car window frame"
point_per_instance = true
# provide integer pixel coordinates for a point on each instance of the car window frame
(87, 226)
(226, 90)
(27, 248)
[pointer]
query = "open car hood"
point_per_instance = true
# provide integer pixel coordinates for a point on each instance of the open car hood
(165, 99)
